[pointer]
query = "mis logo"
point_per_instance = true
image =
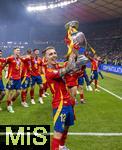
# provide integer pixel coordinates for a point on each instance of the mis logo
(29, 136)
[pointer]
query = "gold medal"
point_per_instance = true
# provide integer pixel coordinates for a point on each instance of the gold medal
(17, 63)
(17, 67)
(35, 63)
(35, 66)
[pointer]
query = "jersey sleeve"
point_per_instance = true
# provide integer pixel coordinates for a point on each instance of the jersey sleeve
(4, 60)
(40, 61)
(8, 60)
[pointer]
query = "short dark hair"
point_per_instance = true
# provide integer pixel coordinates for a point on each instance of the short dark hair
(29, 51)
(35, 49)
(15, 48)
(1, 51)
(47, 48)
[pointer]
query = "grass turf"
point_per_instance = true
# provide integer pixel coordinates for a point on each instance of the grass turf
(101, 113)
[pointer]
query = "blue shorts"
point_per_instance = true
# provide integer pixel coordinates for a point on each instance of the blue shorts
(36, 79)
(14, 84)
(80, 81)
(94, 75)
(1, 86)
(66, 118)
(26, 83)
(84, 73)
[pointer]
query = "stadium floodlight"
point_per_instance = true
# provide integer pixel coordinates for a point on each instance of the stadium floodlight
(9, 42)
(29, 8)
(37, 8)
(40, 7)
(51, 6)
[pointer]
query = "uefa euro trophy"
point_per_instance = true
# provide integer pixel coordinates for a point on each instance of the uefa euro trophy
(76, 43)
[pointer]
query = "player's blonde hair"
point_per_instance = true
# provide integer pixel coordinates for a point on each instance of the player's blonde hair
(47, 48)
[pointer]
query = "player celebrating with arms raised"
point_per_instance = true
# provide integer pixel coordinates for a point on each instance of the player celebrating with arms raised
(62, 101)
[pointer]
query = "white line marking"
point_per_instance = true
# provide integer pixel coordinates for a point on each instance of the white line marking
(110, 92)
(96, 134)
(70, 133)
(92, 134)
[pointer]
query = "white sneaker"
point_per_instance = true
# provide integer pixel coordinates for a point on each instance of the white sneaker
(89, 88)
(43, 95)
(97, 90)
(63, 148)
(41, 100)
(46, 93)
(24, 104)
(78, 92)
(82, 101)
(76, 102)
(32, 101)
(10, 109)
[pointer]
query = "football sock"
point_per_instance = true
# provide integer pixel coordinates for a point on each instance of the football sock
(95, 84)
(23, 96)
(55, 144)
(82, 96)
(41, 92)
(32, 93)
(63, 139)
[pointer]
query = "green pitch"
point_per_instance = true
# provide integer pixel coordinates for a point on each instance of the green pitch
(102, 114)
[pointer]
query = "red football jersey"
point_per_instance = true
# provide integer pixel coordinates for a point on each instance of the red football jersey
(80, 72)
(94, 64)
(36, 64)
(26, 67)
(44, 65)
(58, 88)
(14, 67)
(71, 79)
(2, 62)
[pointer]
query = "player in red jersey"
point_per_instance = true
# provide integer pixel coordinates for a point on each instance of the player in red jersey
(14, 78)
(25, 77)
(80, 84)
(62, 102)
(71, 80)
(94, 69)
(36, 64)
(45, 84)
(2, 90)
